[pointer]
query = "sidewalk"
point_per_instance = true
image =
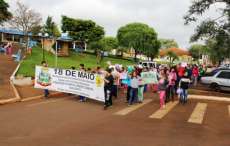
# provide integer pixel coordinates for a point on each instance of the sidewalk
(7, 67)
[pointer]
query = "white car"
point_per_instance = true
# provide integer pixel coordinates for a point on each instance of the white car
(218, 81)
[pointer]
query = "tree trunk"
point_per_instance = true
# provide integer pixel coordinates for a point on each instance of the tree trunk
(135, 55)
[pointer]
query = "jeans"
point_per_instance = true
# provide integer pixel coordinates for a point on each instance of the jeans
(184, 96)
(82, 98)
(128, 93)
(114, 91)
(170, 93)
(133, 96)
(195, 80)
(140, 93)
(46, 92)
(108, 97)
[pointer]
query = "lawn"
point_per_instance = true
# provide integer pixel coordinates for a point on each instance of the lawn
(27, 67)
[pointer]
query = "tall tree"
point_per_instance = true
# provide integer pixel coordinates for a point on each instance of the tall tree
(82, 30)
(51, 27)
(172, 57)
(105, 44)
(168, 43)
(196, 50)
(4, 13)
(217, 29)
(109, 43)
(25, 19)
(138, 36)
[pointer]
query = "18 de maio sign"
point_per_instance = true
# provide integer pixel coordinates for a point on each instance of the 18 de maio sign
(70, 81)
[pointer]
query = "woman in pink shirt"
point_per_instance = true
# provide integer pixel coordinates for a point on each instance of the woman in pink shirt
(172, 77)
(195, 74)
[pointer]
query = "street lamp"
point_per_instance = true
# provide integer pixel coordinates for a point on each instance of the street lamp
(43, 35)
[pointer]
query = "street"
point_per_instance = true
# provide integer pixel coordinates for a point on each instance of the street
(66, 121)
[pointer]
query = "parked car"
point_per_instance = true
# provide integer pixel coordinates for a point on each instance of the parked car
(225, 66)
(214, 71)
(219, 80)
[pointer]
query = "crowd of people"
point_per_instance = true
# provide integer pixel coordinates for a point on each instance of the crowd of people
(6, 48)
(170, 82)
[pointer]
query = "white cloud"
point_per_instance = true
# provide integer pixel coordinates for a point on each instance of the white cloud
(165, 16)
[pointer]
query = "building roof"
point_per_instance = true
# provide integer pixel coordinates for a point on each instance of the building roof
(13, 31)
(65, 39)
(177, 51)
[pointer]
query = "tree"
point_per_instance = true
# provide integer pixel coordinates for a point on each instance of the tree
(217, 30)
(109, 43)
(4, 13)
(82, 30)
(36, 30)
(168, 43)
(138, 36)
(51, 27)
(172, 57)
(197, 50)
(25, 19)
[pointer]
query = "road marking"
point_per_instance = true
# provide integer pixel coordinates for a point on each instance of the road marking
(132, 108)
(46, 102)
(159, 114)
(197, 115)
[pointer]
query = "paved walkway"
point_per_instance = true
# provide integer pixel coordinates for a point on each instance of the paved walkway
(7, 67)
(63, 121)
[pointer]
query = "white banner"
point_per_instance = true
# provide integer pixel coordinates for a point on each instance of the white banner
(70, 81)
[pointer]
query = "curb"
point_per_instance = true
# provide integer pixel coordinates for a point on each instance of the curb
(39, 97)
(17, 96)
(212, 98)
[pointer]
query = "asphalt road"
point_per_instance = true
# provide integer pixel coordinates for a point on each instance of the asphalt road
(64, 121)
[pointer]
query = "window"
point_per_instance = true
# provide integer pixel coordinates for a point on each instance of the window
(224, 75)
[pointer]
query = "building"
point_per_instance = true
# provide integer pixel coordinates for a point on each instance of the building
(15, 36)
(183, 55)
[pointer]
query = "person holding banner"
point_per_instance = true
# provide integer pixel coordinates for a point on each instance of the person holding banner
(82, 69)
(108, 88)
(46, 91)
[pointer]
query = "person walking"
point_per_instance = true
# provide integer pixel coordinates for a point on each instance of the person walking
(162, 85)
(134, 83)
(108, 89)
(195, 74)
(140, 89)
(184, 85)
(172, 77)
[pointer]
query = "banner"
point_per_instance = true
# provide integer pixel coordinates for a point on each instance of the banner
(70, 81)
(149, 77)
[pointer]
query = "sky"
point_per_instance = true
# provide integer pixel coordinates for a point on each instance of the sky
(165, 16)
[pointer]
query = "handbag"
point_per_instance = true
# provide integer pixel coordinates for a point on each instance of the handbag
(179, 91)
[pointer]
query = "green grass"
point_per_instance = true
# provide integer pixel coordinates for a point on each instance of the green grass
(27, 67)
